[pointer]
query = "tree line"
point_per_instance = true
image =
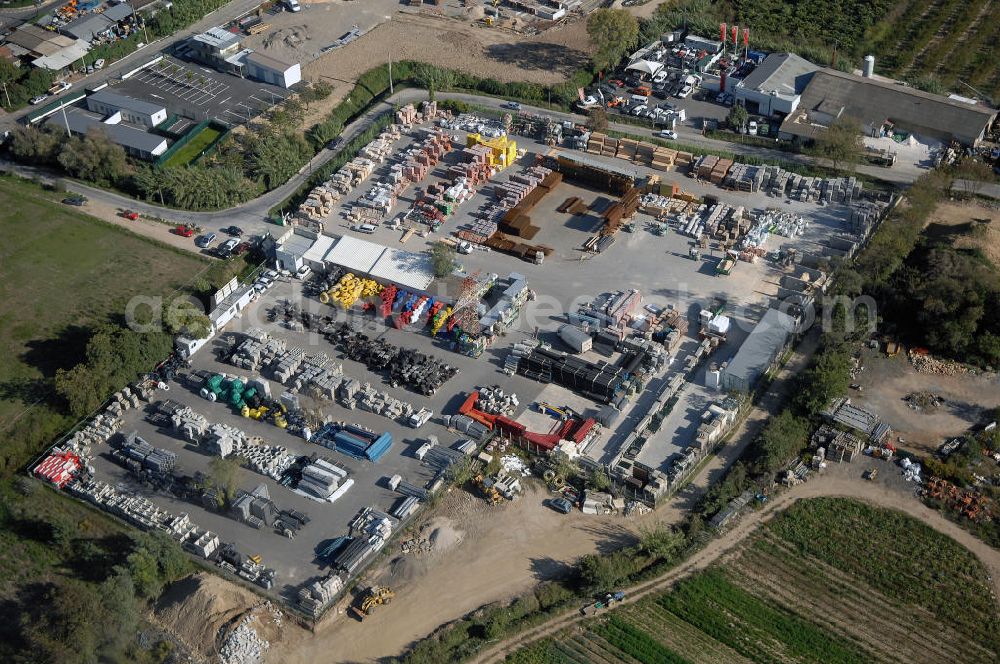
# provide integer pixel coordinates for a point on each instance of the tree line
(83, 582)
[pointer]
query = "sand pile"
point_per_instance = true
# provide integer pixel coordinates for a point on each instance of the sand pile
(198, 607)
(444, 535)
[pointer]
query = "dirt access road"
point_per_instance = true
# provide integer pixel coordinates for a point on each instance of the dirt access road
(505, 552)
(842, 480)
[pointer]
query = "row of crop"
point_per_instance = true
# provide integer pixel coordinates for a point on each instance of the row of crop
(978, 37)
(749, 624)
(636, 643)
(984, 67)
(815, 21)
(899, 556)
(919, 36)
(545, 651)
(678, 635)
(938, 56)
(896, 33)
(824, 594)
(883, 35)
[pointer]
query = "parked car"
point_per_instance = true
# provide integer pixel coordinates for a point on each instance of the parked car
(512, 105)
(38, 100)
(660, 77)
(225, 249)
(131, 215)
(685, 91)
(76, 200)
(235, 231)
(204, 241)
(60, 86)
(335, 143)
(99, 63)
(184, 231)
(561, 505)
(752, 128)
(293, 5)
(668, 134)
(303, 273)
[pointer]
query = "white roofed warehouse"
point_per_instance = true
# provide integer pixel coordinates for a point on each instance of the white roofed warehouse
(265, 68)
(759, 352)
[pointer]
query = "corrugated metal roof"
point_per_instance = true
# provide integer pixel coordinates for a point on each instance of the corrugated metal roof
(81, 122)
(268, 62)
(122, 102)
(785, 73)
(872, 102)
(355, 254)
(405, 268)
(318, 250)
(761, 347)
(63, 57)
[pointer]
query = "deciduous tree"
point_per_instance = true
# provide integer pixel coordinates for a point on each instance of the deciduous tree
(614, 32)
(841, 142)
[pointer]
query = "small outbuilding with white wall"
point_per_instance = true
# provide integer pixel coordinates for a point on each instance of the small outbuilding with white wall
(265, 68)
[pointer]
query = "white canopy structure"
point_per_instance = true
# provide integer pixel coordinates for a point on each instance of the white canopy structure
(645, 66)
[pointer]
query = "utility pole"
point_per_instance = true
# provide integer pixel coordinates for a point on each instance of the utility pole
(390, 74)
(135, 19)
(66, 122)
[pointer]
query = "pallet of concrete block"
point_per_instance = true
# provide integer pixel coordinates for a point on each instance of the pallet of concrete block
(406, 115)
(683, 158)
(256, 350)
(287, 364)
(377, 150)
(316, 368)
(190, 425)
(96, 431)
(644, 153)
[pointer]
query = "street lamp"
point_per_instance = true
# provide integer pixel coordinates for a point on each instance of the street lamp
(389, 18)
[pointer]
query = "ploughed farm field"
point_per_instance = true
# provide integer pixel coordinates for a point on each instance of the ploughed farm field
(828, 580)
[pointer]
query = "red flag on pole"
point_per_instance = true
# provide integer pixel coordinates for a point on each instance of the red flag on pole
(722, 32)
(736, 34)
(746, 36)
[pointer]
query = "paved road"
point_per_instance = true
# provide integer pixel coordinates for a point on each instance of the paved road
(252, 215)
(988, 189)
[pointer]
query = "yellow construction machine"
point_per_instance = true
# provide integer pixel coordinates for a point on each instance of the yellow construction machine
(490, 492)
(376, 596)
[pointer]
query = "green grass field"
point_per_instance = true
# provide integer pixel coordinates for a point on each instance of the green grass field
(829, 580)
(61, 271)
(193, 148)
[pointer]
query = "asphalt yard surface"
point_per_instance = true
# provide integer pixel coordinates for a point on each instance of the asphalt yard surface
(295, 559)
(198, 92)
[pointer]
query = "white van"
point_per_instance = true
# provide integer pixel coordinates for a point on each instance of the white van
(367, 229)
